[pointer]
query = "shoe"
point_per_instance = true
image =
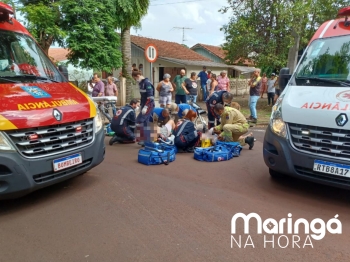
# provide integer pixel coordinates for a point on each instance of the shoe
(253, 121)
(113, 140)
(190, 149)
(141, 144)
(250, 141)
(249, 118)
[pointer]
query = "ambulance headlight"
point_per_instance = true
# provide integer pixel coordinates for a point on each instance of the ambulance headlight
(5, 145)
(98, 123)
(277, 125)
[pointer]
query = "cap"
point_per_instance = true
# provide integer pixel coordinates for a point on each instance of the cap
(273, 74)
(173, 108)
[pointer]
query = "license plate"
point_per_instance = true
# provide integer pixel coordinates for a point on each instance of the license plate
(331, 168)
(67, 162)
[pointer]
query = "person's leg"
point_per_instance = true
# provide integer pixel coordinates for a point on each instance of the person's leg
(194, 99)
(204, 89)
(237, 131)
(211, 117)
(253, 101)
(183, 99)
(162, 101)
(188, 99)
(177, 99)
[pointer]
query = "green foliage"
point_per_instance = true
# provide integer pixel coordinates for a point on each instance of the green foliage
(266, 27)
(92, 40)
(44, 22)
(130, 12)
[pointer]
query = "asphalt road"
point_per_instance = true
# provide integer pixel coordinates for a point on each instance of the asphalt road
(124, 211)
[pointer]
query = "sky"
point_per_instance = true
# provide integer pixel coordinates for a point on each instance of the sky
(200, 15)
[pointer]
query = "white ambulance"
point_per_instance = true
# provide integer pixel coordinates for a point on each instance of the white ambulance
(309, 132)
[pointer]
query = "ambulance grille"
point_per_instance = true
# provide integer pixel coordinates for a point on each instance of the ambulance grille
(51, 140)
(329, 142)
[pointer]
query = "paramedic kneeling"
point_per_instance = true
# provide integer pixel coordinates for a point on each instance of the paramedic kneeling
(186, 135)
(233, 125)
(123, 123)
(221, 97)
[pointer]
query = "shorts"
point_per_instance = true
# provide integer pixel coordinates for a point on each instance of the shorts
(166, 130)
(165, 100)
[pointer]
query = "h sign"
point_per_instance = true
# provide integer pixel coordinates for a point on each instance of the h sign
(151, 53)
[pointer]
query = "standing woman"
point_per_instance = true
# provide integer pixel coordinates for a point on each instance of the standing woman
(263, 85)
(147, 106)
(277, 90)
(223, 82)
(213, 85)
(165, 88)
(190, 87)
(111, 90)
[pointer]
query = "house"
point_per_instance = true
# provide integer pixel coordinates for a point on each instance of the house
(172, 57)
(75, 74)
(218, 55)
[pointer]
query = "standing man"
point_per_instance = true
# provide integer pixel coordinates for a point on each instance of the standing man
(99, 88)
(204, 78)
(147, 106)
(254, 95)
(123, 123)
(180, 95)
(271, 90)
(233, 126)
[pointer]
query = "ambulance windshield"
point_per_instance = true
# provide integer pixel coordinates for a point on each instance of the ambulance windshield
(21, 60)
(327, 60)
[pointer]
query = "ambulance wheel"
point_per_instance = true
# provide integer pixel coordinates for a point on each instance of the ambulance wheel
(274, 174)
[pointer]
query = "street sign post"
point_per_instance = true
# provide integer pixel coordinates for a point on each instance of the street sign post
(151, 54)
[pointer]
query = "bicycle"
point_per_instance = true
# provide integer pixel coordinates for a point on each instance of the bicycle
(104, 103)
(199, 122)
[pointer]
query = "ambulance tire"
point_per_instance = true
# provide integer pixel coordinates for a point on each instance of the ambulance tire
(275, 175)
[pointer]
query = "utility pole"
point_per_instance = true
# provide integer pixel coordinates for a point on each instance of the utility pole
(183, 32)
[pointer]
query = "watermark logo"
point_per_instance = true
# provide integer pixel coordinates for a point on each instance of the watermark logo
(284, 233)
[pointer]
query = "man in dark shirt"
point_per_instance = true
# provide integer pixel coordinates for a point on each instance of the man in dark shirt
(204, 78)
(254, 92)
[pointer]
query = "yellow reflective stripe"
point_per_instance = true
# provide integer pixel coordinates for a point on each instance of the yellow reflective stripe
(6, 124)
(92, 104)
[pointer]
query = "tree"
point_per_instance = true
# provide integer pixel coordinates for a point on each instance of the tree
(265, 28)
(92, 40)
(43, 21)
(129, 13)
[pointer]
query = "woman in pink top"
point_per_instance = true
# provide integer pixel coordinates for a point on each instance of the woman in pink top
(223, 82)
(263, 85)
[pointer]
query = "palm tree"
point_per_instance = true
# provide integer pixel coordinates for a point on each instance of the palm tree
(129, 13)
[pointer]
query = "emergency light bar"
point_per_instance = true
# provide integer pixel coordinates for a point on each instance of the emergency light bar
(344, 12)
(5, 12)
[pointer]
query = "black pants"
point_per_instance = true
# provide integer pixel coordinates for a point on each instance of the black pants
(180, 99)
(180, 142)
(270, 96)
(211, 117)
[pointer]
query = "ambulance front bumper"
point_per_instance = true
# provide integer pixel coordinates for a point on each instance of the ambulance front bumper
(20, 176)
(281, 157)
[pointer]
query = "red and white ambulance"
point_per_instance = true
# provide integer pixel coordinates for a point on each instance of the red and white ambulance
(50, 130)
(309, 133)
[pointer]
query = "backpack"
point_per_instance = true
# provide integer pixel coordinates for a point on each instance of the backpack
(156, 154)
(212, 154)
(234, 147)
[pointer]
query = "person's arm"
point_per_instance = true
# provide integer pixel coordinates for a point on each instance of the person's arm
(171, 88)
(131, 118)
(212, 88)
(184, 87)
(115, 90)
(173, 83)
(159, 86)
(102, 89)
(228, 85)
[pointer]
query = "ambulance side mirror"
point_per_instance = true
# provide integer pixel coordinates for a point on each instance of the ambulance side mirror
(63, 69)
(283, 78)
